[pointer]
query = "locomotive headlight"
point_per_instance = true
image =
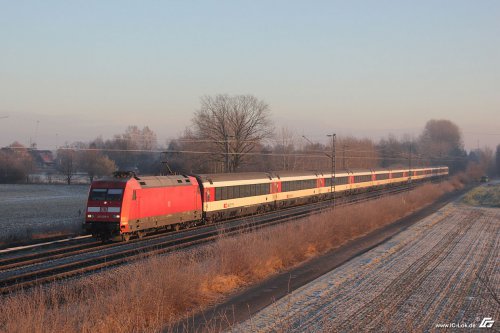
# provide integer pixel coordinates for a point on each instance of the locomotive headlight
(89, 216)
(117, 216)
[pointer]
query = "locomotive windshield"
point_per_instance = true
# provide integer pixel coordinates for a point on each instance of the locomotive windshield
(104, 194)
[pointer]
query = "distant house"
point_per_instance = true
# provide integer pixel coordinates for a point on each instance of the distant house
(43, 159)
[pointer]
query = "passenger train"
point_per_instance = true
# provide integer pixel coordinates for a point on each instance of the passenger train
(127, 205)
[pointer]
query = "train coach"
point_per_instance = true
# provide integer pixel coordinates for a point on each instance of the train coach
(126, 205)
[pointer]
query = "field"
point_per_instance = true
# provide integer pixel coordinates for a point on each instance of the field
(28, 210)
(443, 270)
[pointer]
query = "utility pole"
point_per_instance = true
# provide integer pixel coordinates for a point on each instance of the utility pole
(409, 160)
(333, 159)
(409, 167)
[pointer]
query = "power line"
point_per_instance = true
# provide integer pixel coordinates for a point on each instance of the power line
(198, 152)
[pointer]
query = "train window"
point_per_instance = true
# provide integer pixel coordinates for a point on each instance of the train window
(188, 181)
(230, 191)
(223, 193)
(217, 193)
(286, 186)
(382, 176)
(134, 195)
(340, 181)
(328, 182)
(246, 190)
(362, 179)
(298, 185)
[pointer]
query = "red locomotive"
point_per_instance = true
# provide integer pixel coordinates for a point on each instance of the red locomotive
(126, 205)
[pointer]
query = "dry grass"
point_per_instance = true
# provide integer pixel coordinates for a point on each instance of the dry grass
(146, 296)
(488, 196)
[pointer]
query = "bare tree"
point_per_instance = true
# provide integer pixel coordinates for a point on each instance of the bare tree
(15, 163)
(66, 163)
(136, 138)
(132, 150)
(481, 162)
(233, 126)
(285, 145)
(95, 164)
(393, 152)
(356, 153)
(441, 143)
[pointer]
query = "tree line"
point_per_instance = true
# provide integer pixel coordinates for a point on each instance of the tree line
(236, 134)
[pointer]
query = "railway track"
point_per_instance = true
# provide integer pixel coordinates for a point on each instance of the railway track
(24, 271)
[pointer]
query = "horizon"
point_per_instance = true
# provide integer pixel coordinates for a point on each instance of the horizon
(75, 71)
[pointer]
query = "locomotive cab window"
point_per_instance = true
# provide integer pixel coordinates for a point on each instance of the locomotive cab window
(114, 194)
(98, 194)
(103, 194)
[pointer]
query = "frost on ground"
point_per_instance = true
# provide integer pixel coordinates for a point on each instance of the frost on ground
(426, 275)
(487, 195)
(30, 208)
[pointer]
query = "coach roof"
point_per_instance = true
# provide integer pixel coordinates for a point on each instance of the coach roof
(224, 177)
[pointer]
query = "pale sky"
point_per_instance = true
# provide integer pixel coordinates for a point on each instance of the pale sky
(364, 68)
